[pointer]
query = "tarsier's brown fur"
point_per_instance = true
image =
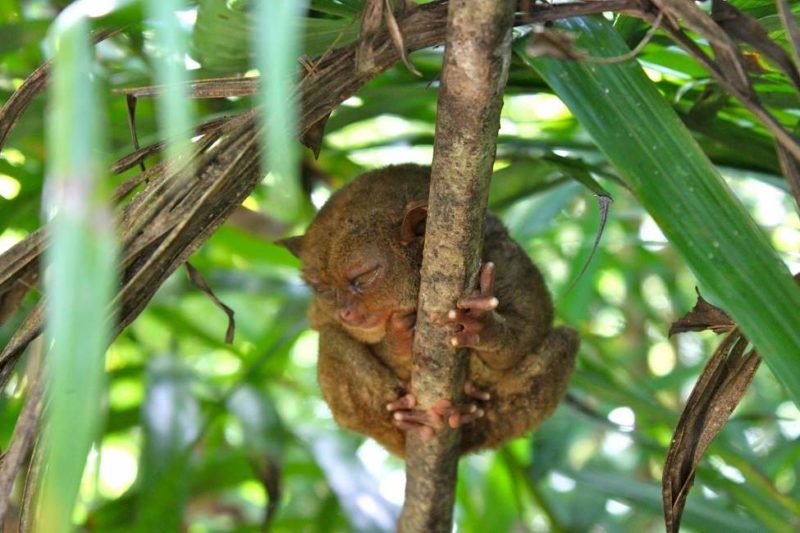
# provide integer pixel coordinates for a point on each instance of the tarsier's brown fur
(364, 314)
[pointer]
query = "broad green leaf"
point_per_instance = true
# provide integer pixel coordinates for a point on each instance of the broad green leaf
(682, 191)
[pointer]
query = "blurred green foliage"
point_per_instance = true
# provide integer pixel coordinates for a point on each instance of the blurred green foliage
(198, 433)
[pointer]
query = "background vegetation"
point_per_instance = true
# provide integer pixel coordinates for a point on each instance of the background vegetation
(201, 433)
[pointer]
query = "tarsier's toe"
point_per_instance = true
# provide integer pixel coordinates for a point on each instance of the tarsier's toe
(405, 402)
(457, 415)
(416, 417)
(456, 420)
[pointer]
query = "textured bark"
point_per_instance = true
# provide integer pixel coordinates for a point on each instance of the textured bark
(476, 59)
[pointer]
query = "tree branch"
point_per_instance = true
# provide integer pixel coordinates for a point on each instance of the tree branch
(476, 60)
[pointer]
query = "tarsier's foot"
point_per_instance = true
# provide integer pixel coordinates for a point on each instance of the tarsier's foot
(474, 314)
(407, 417)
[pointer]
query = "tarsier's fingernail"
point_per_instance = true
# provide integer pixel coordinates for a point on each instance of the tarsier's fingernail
(454, 341)
(451, 314)
(398, 416)
(494, 302)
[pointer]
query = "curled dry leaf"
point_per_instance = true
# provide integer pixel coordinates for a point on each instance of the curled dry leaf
(721, 386)
(703, 316)
(718, 391)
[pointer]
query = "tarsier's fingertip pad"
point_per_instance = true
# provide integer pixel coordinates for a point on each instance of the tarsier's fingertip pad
(454, 341)
(451, 314)
(494, 302)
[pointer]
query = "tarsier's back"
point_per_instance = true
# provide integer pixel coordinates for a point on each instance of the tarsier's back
(362, 255)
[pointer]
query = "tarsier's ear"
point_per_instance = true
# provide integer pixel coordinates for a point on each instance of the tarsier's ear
(413, 226)
(293, 244)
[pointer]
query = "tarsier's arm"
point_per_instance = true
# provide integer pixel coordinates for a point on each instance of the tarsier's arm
(525, 307)
(510, 313)
(357, 387)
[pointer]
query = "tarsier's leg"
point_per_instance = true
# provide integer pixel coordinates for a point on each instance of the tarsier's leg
(527, 394)
(357, 386)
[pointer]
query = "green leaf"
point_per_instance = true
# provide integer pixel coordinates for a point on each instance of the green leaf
(682, 191)
(277, 33)
(79, 273)
(173, 103)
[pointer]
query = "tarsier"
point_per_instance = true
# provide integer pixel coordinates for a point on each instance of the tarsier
(362, 256)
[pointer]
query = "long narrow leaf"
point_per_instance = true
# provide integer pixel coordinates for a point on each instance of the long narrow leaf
(278, 30)
(79, 273)
(677, 184)
(173, 103)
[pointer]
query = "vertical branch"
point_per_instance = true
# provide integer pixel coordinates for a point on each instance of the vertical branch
(474, 74)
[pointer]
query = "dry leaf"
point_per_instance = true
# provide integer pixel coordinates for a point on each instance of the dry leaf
(312, 137)
(718, 391)
(200, 283)
(703, 316)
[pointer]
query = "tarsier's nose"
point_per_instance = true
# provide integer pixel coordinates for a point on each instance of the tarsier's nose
(347, 315)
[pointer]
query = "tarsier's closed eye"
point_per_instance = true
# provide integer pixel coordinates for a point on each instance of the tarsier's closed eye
(363, 280)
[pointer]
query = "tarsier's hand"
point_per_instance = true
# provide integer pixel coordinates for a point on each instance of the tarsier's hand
(400, 332)
(475, 318)
(407, 417)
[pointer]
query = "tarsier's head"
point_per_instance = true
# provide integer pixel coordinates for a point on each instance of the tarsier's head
(362, 252)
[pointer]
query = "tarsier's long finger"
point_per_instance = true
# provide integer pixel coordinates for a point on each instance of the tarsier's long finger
(486, 278)
(406, 402)
(471, 391)
(481, 303)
